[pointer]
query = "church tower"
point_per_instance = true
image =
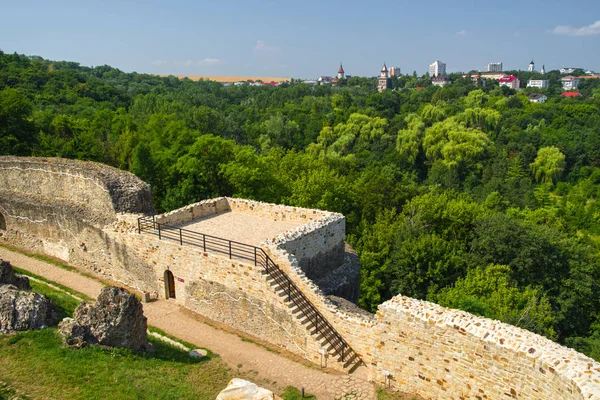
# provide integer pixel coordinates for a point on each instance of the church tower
(384, 82)
(341, 73)
(543, 70)
(531, 66)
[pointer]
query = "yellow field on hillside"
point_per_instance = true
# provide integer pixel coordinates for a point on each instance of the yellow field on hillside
(231, 78)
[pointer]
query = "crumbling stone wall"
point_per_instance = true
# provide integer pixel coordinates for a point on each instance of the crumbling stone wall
(435, 352)
(88, 217)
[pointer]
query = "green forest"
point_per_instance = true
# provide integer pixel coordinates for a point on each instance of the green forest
(468, 196)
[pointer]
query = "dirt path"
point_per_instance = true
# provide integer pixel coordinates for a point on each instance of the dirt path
(175, 321)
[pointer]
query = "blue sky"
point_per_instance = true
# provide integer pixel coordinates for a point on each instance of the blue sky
(305, 38)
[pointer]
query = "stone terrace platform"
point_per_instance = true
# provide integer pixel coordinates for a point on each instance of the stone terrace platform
(240, 227)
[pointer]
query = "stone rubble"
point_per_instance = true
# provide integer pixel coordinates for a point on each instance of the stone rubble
(116, 319)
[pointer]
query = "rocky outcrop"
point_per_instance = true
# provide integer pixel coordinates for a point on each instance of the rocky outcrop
(8, 277)
(240, 389)
(23, 311)
(116, 319)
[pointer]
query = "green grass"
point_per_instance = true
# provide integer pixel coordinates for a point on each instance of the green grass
(95, 372)
(292, 393)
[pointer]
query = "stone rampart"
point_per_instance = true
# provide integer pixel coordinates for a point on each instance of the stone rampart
(89, 219)
(94, 192)
(435, 352)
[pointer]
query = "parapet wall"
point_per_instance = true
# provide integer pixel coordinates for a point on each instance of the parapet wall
(89, 220)
(317, 244)
(435, 352)
(95, 192)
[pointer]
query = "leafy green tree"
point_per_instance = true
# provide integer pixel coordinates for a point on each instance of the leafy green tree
(492, 293)
(549, 164)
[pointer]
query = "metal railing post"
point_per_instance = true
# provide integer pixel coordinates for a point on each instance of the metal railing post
(255, 256)
(180, 237)
(230, 249)
(204, 242)
(158, 231)
(289, 290)
(139, 227)
(153, 222)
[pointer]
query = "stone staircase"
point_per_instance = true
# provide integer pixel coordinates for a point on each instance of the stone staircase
(319, 328)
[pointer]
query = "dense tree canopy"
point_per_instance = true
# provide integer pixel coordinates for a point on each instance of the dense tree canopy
(471, 197)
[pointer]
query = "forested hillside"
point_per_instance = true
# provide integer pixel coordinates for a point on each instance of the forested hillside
(473, 198)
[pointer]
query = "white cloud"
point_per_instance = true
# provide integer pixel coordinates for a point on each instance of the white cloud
(461, 33)
(588, 30)
(264, 47)
(208, 62)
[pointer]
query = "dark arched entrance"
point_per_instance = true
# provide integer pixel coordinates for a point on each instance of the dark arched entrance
(2, 222)
(169, 285)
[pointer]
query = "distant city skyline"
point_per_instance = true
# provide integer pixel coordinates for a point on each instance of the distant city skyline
(282, 39)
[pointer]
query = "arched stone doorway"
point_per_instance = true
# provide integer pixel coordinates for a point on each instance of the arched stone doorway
(2, 222)
(169, 285)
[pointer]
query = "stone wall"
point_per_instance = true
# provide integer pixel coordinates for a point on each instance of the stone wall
(97, 192)
(194, 211)
(86, 216)
(436, 352)
(318, 244)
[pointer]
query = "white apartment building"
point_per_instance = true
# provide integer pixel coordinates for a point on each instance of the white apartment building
(569, 82)
(495, 67)
(437, 68)
(538, 83)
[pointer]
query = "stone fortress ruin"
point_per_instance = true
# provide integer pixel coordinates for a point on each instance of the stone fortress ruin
(280, 274)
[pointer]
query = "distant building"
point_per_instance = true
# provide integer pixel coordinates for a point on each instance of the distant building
(437, 68)
(569, 70)
(341, 73)
(395, 71)
(543, 70)
(323, 80)
(485, 75)
(495, 67)
(537, 98)
(311, 83)
(511, 81)
(569, 82)
(538, 83)
(531, 66)
(571, 94)
(441, 80)
(383, 82)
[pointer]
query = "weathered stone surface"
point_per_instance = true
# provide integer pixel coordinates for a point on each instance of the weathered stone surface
(23, 311)
(73, 333)
(8, 277)
(116, 319)
(240, 389)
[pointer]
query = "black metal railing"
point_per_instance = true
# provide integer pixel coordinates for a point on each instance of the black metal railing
(257, 256)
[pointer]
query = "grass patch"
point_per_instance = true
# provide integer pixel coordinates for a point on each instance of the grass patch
(293, 393)
(183, 342)
(95, 372)
(63, 303)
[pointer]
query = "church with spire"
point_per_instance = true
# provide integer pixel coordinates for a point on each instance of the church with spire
(341, 73)
(384, 81)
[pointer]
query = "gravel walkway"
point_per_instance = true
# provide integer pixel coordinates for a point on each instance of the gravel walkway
(240, 227)
(177, 322)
